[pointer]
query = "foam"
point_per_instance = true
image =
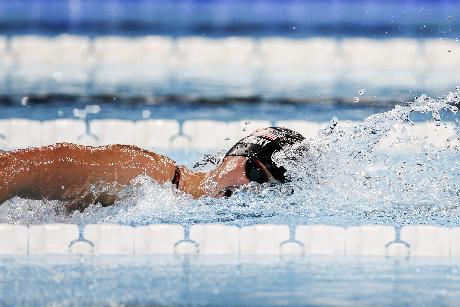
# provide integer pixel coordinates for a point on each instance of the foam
(417, 136)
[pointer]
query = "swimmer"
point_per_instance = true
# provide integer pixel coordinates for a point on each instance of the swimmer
(81, 175)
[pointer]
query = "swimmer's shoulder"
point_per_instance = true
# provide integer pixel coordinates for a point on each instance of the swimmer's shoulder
(109, 147)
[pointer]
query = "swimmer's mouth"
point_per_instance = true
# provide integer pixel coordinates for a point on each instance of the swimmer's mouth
(227, 192)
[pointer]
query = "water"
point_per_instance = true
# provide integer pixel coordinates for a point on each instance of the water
(224, 111)
(220, 281)
(373, 170)
(344, 176)
(370, 18)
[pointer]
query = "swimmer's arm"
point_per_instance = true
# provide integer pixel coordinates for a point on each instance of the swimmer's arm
(67, 172)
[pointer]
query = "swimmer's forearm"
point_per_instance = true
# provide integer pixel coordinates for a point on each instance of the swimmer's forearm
(67, 171)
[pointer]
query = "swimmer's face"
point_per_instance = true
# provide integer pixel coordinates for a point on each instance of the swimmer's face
(233, 173)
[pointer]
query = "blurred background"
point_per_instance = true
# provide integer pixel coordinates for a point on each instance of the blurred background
(108, 71)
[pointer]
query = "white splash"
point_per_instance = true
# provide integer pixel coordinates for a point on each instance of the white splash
(347, 174)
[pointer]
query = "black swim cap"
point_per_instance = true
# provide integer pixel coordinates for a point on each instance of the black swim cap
(263, 143)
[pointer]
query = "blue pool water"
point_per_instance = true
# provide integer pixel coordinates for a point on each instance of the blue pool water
(224, 281)
(181, 111)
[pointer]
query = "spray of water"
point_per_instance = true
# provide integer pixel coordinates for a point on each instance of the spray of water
(374, 171)
(350, 177)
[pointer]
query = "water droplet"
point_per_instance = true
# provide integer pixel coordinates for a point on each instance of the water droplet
(25, 101)
(449, 18)
(146, 113)
(362, 91)
(356, 99)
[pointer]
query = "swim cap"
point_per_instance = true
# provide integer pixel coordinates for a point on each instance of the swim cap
(263, 143)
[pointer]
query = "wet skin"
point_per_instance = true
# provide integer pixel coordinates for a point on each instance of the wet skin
(82, 175)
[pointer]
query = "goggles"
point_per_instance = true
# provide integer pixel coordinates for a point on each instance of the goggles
(254, 171)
